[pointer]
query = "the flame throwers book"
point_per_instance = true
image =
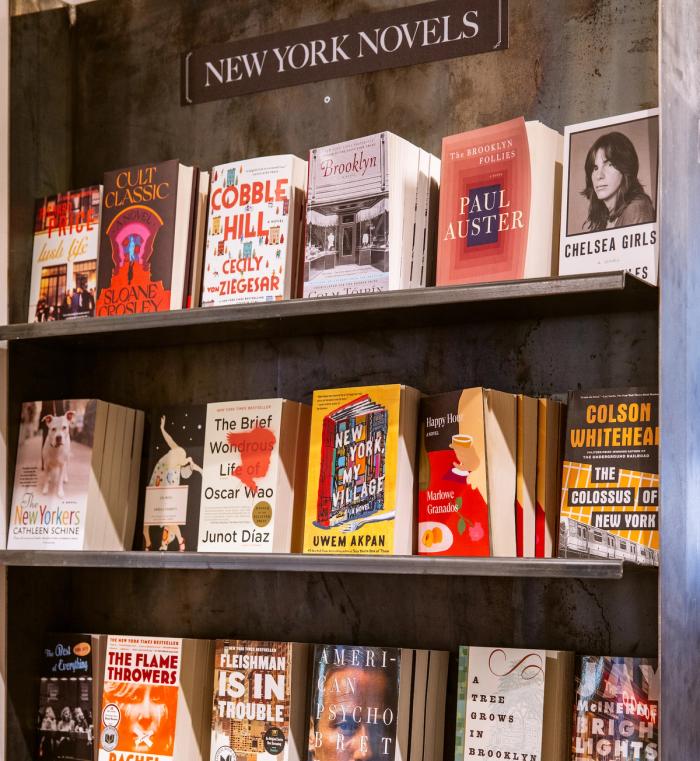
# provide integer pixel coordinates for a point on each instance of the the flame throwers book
(254, 235)
(156, 699)
(226, 477)
(70, 694)
(373, 702)
(64, 258)
(616, 710)
(146, 241)
(359, 490)
(499, 198)
(76, 477)
(610, 477)
(514, 704)
(260, 699)
(467, 475)
(370, 216)
(610, 196)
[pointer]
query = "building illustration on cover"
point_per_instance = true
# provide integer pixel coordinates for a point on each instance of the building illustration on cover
(347, 218)
(351, 481)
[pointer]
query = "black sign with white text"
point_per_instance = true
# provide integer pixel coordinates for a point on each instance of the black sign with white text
(384, 40)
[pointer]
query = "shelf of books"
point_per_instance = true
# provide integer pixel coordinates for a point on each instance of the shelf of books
(596, 292)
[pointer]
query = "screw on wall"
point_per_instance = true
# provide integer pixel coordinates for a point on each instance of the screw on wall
(327, 99)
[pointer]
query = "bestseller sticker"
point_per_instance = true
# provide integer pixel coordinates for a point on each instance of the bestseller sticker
(111, 715)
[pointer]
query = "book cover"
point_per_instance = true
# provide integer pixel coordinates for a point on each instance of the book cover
(252, 700)
(249, 232)
(241, 466)
(610, 196)
(610, 476)
(175, 467)
(140, 699)
(453, 514)
(355, 703)
(52, 474)
(485, 189)
(500, 703)
(137, 239)
(66, 710)
(616, 713)
(347, 218)
(64, 257)
(351, 485)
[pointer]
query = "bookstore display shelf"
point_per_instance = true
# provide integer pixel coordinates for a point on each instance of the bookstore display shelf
(614, 291)
(412, 565)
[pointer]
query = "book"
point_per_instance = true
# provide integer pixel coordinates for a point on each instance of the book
(359, 489)
(610, 476)
(526, 479)
(550, 418)
(145, 238)
(369, 216)
(467, 476)
(375, 702)
(226, 477)
(499, 201)
(512, 703)
(70, 690)
(254, 231)
(616, 710)
(155, 700)
(73, 486)
(610, 197)
(260, 700)
(64, 255)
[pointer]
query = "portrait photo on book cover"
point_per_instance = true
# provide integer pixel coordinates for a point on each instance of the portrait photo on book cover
(64, 720)
(612, 180)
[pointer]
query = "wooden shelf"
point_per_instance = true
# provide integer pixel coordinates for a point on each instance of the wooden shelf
(609, 292)
(413, 565)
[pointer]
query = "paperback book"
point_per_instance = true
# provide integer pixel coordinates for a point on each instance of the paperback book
(610, 477)
(64, 256)
(610, 197)
(254, 235)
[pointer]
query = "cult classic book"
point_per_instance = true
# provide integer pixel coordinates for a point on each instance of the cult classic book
(616, 712)
(610, 476)
(64, 258)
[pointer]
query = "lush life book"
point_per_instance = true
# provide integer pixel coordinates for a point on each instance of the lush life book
(359, 494)
(499, 197)
(512, 704)
(155, 701)
(226, 477)
(144, 241)
(64, 257)
(610, 476)
(370, 216)
(260, 694)
(254, 230)
(609, 218)
(69, 696)
(616, 711)
(467, 474)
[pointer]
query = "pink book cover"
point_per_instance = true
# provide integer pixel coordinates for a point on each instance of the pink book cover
(484, 205)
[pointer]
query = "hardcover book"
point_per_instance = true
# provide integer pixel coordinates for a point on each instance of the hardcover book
(616, 713)
(155, 701)
(511, 704)
(369, 217)
(467, 477)
(360, 478)
(550, 419)
(144, 242)
(254, 230)
(499, 197)
(69, 696)
(610, 477)
(609, 217)
(64, 258)
(259, 708)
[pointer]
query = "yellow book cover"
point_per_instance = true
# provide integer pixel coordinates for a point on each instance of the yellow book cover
(351, 487)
